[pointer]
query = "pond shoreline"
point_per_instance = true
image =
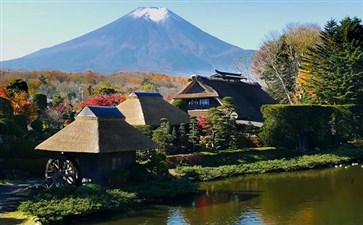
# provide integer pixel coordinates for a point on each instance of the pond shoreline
(199, 173)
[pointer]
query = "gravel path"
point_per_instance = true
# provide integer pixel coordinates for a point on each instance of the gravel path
(12, 194)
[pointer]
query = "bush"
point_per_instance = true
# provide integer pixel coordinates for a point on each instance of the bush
(61, 203)
(40, 101)
(157, 164)
(9, 127)
(58, 204)
(145, 129)
(165, 136)
(6, 110)
(37, 125)
(180, 104)
(330, 125)
(20, 120)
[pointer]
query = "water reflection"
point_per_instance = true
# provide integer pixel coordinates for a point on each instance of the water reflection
(330, 196)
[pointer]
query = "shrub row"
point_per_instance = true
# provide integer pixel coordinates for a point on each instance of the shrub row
(330, 125)
(275, 165)
(228, 157)
(59, 204)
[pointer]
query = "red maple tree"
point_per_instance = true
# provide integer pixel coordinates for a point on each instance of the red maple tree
(4, 93)
(104, 100)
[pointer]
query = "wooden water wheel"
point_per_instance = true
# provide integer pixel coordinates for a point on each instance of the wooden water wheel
(62, 171)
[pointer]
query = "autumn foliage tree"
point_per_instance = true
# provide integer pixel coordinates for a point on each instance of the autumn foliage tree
(3, 93)
(17, 86)
(278, 60)
(19, 99)
(104, 100)
(22, 104)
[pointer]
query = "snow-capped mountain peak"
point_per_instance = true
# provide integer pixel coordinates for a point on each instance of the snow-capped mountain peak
(146, 39)
(153, 13)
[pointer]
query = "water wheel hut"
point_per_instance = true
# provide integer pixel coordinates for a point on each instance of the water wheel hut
(147, 108)
(97, 142)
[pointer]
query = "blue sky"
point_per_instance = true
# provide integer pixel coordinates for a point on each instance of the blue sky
(27, 26)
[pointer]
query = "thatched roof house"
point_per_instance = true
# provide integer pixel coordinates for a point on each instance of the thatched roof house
(97, 130)
(202, 93)
(98, 141)
(142, 108)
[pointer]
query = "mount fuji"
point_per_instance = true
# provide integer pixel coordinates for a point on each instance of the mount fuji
(147, 39)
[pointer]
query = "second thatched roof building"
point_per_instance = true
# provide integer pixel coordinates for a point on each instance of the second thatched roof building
(144, 108)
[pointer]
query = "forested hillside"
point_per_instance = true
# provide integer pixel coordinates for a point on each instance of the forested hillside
(82, 86)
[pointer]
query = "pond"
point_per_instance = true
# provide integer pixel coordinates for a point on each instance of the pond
(315, 197)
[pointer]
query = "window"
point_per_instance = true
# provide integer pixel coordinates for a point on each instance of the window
(204, 102)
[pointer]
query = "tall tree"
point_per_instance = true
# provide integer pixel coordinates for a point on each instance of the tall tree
(193, 134)
(335, 66)
(278, 60)
(164, 136)
(221, 128)
(17, 86)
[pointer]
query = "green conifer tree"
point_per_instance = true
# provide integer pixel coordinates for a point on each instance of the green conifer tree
(336, 64)
(193, 134)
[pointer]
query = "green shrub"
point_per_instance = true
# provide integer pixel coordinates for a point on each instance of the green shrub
(61, 203)
(145, 129)
(6, 110)
(88, 189)
(40, 101)
(17, 86)
(180, 104)
(57, 204)
(165, 136)
(20, 120)
(37, 125)
(157, 164)
(9, 127)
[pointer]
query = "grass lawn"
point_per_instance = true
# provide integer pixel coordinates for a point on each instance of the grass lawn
(230, 163)
(17, 218)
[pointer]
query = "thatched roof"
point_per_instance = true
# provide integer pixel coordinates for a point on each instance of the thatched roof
(97, 129)
(247, 97)
(143, 108)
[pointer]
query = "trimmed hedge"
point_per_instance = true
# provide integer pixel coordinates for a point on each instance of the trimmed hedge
(330, 125)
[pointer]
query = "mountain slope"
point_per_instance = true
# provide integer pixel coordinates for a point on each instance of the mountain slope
(147, 39)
